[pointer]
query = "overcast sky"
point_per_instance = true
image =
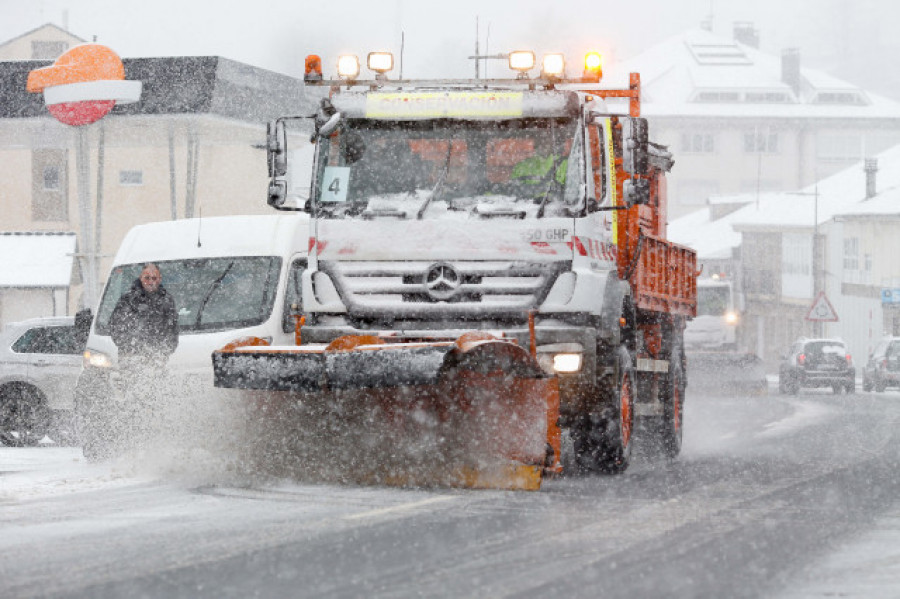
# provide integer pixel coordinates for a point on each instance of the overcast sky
(854, 39)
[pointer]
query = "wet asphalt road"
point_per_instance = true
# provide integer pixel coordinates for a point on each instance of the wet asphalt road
(765, 488)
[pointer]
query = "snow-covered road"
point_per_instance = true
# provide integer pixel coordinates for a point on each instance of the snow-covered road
(773, 496)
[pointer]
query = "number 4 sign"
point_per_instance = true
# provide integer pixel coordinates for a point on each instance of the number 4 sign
(335, 180)
(822, 310)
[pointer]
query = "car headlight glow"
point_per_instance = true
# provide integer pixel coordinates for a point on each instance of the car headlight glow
(96, 359)
(731, 317)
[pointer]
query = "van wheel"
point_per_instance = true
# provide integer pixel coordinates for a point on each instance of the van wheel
(24, 417)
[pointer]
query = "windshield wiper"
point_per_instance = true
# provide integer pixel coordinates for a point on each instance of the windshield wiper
(549, 179)
(438, 184)
(212, 289)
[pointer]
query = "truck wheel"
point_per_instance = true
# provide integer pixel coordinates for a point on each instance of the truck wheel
(880, 386)
(603, 441)
(837, 388)
(670, 430)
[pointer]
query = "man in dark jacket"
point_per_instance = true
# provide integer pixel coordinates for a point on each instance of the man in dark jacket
(144, 322)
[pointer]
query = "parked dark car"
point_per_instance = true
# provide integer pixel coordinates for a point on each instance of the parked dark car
(817, 363)
(882, 370)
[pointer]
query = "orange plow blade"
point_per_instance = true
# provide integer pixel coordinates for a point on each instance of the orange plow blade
(476, 412)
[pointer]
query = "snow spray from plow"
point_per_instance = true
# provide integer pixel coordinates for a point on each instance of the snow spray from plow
(475, 412)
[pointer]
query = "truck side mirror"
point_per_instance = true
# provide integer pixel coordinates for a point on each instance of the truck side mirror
(636, 192)
(635, 146)
(277, 193)
(276, 145)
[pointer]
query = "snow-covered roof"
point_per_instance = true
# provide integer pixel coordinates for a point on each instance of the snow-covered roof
(36, 259)
(712, 239)
(842, 194)
(700, 74)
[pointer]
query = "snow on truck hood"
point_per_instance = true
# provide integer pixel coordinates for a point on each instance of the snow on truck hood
(545, 239)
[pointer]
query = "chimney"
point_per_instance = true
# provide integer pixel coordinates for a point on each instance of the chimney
(790, 68)
(745, 33)
(871, 167)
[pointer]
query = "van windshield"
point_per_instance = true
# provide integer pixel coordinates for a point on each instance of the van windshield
(211, 294)
(712, 301)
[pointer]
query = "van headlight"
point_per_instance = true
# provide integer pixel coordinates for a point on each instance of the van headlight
(96, 359)
(561, 358)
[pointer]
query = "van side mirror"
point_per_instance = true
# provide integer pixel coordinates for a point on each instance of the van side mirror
(276, 146)
(634, 145)
(83, 320)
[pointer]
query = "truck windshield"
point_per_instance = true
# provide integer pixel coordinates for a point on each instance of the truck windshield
(523, 168)
(211, 294)
(712, 301)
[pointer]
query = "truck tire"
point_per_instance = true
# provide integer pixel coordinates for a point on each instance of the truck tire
(603, 440)
(668, 428)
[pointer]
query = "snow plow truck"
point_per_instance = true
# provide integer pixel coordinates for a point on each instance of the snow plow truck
(488, 267)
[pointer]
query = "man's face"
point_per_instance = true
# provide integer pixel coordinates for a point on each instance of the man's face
(150, 279)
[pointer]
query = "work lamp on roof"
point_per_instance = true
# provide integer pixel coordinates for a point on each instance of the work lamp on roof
(521, 60)
(553, 66)
(380, 62)
(593, 67)
(348, 67)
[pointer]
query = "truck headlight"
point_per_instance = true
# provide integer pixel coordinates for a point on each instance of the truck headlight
(567, 363)
(95, 359)
(561, 358)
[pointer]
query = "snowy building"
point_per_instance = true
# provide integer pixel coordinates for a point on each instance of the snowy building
(840, 236)
(742, 121)
(36, 273)
(194, 145)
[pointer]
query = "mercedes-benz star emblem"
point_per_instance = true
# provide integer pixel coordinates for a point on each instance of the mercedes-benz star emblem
(442, 281)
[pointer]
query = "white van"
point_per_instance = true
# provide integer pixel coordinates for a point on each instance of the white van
(230, 277)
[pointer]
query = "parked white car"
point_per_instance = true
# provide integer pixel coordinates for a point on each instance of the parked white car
(40, 360)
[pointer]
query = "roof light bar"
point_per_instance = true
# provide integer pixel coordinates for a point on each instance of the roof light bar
(553, 66)
(593, 67)
(348, 67)
(522, 61)
(380, 62)
(313, 68)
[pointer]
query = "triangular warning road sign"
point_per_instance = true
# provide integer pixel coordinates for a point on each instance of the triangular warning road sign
(822, 310)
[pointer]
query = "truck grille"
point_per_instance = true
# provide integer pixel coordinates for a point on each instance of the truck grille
(439, 289)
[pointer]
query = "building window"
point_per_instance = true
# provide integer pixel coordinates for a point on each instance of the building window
(49, 186)
(131, 177)
(851, 253)
(761, 141)
(697, 142)
(51, 178)
(47, 50)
